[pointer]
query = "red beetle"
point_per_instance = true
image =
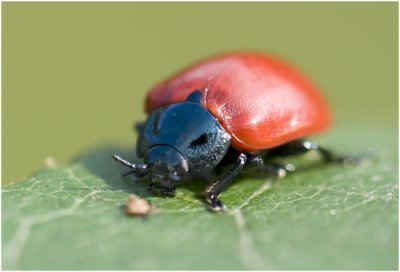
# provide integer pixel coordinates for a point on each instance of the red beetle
(228, 110)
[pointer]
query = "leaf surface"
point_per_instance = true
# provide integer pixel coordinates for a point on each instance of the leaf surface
(321, 217)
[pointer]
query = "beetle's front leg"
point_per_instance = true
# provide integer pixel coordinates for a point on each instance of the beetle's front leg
(164, 191)
(215, 189)
(168, 192)
(135, 173)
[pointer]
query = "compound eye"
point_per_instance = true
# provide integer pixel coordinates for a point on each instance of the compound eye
(201, 140)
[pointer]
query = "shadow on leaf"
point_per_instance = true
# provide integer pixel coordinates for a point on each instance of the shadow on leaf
(98, 161)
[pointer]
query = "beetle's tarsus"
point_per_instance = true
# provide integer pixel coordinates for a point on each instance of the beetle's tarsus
(215, 203)
(348, 160)
(256, 160)
(168, 192)
(277, 169)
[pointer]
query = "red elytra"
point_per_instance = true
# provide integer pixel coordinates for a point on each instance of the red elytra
(259, 99)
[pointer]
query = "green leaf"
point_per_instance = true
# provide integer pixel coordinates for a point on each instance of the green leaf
(322, 217)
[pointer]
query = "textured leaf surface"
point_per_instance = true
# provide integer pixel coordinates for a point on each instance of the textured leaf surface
(322, 217)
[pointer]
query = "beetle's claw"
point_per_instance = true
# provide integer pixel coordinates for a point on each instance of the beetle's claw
(216, 204)
(352, 160)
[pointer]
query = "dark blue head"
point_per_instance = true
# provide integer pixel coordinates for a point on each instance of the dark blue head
(180, 140)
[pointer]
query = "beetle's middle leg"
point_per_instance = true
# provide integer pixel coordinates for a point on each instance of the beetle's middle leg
(274, 168)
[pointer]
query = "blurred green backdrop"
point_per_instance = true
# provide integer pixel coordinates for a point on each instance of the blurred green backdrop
(75, 74)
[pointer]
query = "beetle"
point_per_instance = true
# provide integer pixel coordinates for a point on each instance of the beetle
(230, 110)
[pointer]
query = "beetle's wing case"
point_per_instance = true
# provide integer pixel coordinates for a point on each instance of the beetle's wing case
(260, 100)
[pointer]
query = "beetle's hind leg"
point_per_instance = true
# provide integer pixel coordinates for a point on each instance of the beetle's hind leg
(298, 147)
(302, 146)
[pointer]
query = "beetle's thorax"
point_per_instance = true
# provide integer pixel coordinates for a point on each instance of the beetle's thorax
(183, 137)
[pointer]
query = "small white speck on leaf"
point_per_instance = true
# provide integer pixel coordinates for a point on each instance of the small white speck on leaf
(332, 212)
(137, 206)
(50, 162)
(281, 173)
(369, 196)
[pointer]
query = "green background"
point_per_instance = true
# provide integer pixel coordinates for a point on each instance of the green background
(75, 74)
(74, 79)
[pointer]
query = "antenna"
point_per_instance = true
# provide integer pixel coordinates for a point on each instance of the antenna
(139, 168)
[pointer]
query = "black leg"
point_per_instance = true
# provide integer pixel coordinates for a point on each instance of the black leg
(297, 147)
(164, 191)
(273, 168)
(168, 192)
(255, 160)
(214, 189)
(278, 169)
(303, 146)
